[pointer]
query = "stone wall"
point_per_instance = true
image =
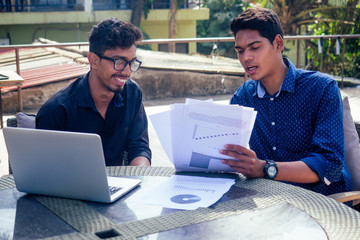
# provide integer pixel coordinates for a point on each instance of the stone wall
(157, 84)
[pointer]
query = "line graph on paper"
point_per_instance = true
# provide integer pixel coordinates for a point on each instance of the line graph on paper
(209, 140)
(207, 133)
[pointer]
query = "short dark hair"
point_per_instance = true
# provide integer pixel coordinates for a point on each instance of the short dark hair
(261, 19)
(112, 33)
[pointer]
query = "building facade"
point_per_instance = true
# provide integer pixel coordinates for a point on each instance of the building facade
(24, 21)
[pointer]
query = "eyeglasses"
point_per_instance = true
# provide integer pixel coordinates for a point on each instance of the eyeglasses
(120, 64)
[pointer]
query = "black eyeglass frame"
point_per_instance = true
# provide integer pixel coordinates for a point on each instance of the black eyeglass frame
(122, 59)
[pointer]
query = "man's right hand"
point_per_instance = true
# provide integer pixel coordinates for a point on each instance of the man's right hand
(246, 161)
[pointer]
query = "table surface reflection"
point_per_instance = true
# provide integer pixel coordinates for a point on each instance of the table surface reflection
(252, 209)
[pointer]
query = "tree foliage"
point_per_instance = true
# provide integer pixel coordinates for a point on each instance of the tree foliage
(344, 21)
(221, 14)
(293, 13)
(313, 17)
(298, 17)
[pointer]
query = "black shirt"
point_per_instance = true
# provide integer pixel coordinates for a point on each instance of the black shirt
(123, 129)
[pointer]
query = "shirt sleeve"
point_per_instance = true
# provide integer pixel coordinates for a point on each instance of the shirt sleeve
(50, 117)
(138, 140)
(326, 155)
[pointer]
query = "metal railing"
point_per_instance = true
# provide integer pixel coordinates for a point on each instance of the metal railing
(188, 40)
(297, 38)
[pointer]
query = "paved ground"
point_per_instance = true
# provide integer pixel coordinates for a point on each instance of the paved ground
(155, 106)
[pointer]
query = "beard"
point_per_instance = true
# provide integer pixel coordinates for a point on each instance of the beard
(115, 90)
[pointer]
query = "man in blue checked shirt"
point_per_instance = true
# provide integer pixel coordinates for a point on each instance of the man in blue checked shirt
(298, 136)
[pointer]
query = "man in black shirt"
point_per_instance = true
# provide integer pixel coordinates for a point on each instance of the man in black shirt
(105, 101)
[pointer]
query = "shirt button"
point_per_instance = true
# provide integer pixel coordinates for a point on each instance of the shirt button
(273, 123)
(274, 148)
(271, 99)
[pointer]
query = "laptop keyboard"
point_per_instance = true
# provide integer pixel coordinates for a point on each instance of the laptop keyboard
(114, 189)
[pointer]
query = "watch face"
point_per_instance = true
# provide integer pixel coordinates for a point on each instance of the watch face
(272, 171)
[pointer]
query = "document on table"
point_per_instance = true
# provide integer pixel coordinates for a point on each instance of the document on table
(185, 192)
(193, 133)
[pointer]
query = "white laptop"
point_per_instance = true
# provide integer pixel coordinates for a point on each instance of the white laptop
(62, 164)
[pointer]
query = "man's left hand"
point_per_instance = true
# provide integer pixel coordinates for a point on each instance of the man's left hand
(140, 161)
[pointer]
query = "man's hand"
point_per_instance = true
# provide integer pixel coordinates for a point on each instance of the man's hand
(140, 161)
(250, 166)
(246, 161)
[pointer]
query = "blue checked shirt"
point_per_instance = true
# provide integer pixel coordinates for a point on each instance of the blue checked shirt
(303, 121)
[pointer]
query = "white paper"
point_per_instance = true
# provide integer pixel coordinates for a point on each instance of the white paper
(193, 133)
(161, 124)
(185, 192)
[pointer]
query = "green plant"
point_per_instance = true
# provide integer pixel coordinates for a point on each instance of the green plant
(221, 14)
(345, 21)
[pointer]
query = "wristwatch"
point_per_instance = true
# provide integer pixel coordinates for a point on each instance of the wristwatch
(270, 170)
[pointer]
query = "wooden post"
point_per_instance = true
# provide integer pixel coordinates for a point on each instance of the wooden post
(298, 51)
(17, 56)
(342, 65)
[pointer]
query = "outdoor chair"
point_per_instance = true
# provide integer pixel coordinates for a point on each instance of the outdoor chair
(22, 120)
(352, 157)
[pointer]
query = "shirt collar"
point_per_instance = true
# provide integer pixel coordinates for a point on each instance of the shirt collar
(288, 84)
